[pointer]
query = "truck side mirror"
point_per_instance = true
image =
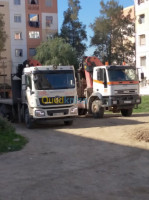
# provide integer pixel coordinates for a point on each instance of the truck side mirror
(24, 86)
(142, 75)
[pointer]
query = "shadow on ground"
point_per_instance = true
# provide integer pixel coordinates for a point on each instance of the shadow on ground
(89, 122)
(56, 165)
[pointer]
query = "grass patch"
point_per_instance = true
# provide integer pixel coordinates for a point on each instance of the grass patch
(9, 140)
(144, 106)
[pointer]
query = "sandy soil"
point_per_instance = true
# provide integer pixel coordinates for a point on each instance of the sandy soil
(94, 159)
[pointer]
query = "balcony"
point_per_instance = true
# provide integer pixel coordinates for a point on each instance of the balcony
(33, 6)
(34, 24)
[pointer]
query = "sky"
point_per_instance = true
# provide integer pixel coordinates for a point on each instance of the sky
(88, 14)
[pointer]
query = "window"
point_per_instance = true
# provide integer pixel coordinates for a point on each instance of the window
(33, 1)
(140, 1)
(18, 36)
(17, 2)
(34, 34)
(18, 52)
(142, 39)
(29, 82)
(141, 19)
(32, 51)
(49, 3)
(49, 36)
(17, 18)
(49, 21)
(143, 61)
(34, 20)
(101, 76)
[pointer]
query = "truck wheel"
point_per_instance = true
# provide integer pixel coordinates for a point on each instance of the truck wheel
(97, 110)
(68, 123)
(126, 112)
(28, 120)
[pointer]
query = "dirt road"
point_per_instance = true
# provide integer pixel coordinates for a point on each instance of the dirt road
(91, 160)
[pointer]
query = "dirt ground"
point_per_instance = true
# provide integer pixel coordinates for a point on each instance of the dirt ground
(94, 159)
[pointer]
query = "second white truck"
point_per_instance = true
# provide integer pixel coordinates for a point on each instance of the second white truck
(107, 87)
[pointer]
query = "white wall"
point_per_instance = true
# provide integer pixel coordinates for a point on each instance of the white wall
(143, 28)
(18, 27)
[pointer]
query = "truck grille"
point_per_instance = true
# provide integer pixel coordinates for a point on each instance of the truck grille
(125, 91)
(56, 100)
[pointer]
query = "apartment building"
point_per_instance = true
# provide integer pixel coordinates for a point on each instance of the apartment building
(142, 39)
(130, 11)
(5, 60)
(41, 22)
(27, 24)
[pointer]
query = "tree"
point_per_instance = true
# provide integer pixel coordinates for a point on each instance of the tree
(3, 35)
(73, 31)
(113, 34)
(56, 51)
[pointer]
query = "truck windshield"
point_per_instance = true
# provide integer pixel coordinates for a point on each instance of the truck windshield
(54, 80)
(122, 75)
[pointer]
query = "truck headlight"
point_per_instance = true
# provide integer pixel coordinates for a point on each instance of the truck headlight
(39, 113)
(74, 110)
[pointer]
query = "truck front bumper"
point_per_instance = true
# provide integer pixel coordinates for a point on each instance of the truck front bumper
(55, 113)
(123, 101)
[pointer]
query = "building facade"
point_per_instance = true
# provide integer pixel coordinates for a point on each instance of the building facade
(5, 60)
(27, 24)
(130, 11)
(142, 40)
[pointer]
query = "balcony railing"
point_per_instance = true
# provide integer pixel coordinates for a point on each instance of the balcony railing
(34, 24)
(33, 6)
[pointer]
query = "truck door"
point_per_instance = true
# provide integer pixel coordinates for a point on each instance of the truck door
(100, 85)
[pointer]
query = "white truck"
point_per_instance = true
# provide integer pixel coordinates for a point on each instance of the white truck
(42, 93)
(110, 87)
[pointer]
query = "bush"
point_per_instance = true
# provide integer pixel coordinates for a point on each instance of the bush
(6, 127)
(9, 140)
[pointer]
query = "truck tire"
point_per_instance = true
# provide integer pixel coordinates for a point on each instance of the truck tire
(126, 112)
(27, 119)
(68, 123)
(97, 110)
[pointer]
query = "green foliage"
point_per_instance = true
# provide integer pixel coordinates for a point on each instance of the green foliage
(56, 51)
(144, 106)
(112, 33)
(3, 35)
(73, 31)
(74, 6)
(9, 140)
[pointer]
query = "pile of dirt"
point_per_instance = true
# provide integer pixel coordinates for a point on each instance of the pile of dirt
(142, 135)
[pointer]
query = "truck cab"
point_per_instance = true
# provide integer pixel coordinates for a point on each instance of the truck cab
(118, 87)
(107, 87)
(49, 92)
